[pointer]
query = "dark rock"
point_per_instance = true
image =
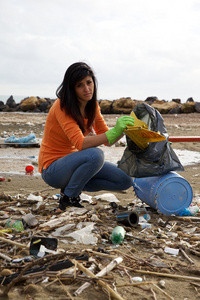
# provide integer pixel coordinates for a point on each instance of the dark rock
(187, 108)
(123, 106)
(43, 106)
(29, 104)
(151, 99)
(11, 102)
(177, 100)
(164, 107)
(9, 109)
(36, 110)
(190, 100)
(106, 106)
(175, 110)
(2, 106)
(197, 106)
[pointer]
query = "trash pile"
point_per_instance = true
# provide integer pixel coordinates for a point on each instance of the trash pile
(110, 250)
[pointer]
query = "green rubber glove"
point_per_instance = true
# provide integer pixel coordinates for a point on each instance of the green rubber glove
(120, 125)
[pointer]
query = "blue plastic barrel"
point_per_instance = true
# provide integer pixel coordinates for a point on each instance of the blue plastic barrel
(169, 193)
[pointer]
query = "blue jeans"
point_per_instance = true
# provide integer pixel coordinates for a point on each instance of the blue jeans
(85, 170)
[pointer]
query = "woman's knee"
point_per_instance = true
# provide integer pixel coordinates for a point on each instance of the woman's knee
(125, 181)
(96, 156)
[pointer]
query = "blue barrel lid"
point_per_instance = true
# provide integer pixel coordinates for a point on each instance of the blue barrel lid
(169, 193)
(173, 195)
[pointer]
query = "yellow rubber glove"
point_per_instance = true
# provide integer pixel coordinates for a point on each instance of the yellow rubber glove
(120, 125)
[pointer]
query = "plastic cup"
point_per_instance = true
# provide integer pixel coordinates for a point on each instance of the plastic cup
(128, 218)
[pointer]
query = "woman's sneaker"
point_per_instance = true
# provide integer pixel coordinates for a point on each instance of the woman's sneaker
(66, 201)
(75, 201)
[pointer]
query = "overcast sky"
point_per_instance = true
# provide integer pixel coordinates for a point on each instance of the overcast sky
(136, 48)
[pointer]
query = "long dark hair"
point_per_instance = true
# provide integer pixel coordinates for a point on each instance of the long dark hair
(68, 100)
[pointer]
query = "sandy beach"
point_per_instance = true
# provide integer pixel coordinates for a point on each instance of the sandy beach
(14, 160)
(12, 167)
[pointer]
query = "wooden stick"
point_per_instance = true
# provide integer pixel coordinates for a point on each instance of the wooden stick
(39, 261)
(68, 293)
(186, 256)
(101, 254)
(154, 294)
(161, 274)
(5, 257)
(135, 283)
(194, 252)
(103, 272)
(186, 218)
(168, 296)
(14, 243)
(114, 294)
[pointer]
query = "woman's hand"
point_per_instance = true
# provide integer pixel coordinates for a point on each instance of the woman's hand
(117, 131)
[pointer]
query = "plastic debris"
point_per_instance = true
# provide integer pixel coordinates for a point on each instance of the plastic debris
(30, 220)
(86, 198)
(29, 170)
(117, 235)
(137, 278)
(107, 197)
(27, 139)
(40, 246)
(171, 251)
(144, 225)
(15, 224)
(63, 231)
(190, 211)
(84, 235)
(34, 198)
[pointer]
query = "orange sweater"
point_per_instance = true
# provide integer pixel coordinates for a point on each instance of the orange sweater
(62, 135)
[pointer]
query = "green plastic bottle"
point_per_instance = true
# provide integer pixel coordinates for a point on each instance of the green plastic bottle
(117, 235)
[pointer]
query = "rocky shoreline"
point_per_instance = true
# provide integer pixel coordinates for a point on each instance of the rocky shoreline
(118, 106)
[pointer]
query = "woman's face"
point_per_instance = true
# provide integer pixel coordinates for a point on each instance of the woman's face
(84, 89)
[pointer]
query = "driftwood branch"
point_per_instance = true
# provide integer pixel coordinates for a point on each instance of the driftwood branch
(103, 272)
(5, 257)
(186, 256)
(14, 243)
(163, 274)
(167, 295)
(39, 261)
(114, 294)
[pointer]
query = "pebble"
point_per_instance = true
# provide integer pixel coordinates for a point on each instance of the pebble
(160, 253)
(31, 289)
(23, 253)
(161, 283)
(6, 272)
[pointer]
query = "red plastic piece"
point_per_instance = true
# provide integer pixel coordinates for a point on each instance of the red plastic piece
(29, 169)
(184, 139)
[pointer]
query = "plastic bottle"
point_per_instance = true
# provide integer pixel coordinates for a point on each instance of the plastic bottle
(117, 235)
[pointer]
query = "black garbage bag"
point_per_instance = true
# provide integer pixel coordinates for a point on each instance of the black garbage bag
(158, 158)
